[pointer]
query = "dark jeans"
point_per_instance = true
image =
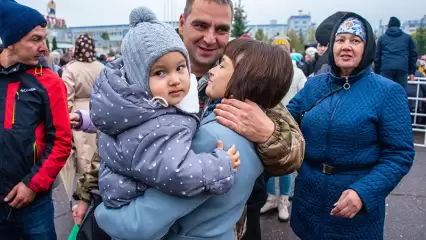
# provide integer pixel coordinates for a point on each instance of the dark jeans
(255, 202)
(33, 222)
(397, 76)
(253, 231)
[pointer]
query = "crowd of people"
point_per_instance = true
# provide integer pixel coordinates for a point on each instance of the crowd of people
(181, 136)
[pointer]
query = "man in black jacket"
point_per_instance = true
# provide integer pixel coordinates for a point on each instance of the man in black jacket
(35, 134)
(396, 54)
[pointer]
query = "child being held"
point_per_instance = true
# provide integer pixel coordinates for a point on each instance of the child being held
(145, 107)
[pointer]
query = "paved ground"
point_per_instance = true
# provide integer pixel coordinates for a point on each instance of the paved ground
(406, 209)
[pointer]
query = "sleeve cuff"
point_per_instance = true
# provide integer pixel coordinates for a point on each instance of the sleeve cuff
(82, 197)
(368, 202)
(84, 124)
(27, 181)
(275, 135)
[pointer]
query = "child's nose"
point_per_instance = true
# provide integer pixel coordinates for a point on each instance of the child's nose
(174, 79)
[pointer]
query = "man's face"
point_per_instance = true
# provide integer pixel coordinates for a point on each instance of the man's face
(31, 48)
(205, 31)
(321, 49)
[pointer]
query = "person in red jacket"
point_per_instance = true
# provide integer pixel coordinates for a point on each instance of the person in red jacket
(35, 134)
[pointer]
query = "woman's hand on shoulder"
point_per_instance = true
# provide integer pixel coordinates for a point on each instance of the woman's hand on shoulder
(234, 155)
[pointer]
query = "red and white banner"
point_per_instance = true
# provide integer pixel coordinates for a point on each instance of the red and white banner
(54, 20)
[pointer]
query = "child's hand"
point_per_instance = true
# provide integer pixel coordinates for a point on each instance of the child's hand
(75, 120)
(234, 155)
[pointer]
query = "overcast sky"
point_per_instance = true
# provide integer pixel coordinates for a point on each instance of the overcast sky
(106, 12)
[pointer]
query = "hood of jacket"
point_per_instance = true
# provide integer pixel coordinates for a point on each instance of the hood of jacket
(369, 50)
(323, 59)
(324, 29)
(116, 105)
(394, 32)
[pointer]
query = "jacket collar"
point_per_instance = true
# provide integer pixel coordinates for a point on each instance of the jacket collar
(209, 118)
(20, 67)
(13, 69)
(352, 78)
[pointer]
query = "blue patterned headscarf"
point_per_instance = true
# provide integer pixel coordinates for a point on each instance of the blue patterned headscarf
(354, 26)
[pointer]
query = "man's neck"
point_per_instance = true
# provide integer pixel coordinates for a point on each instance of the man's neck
(198, 70)
(5, 60)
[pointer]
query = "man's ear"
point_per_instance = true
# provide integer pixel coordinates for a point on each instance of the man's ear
(181, 24)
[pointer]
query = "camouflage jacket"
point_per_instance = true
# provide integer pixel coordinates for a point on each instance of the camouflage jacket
(89, 180)
(281, 154)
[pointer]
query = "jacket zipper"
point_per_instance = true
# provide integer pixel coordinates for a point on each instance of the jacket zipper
(35, 152)
(1, 161)
(346, 86)
(14, 108)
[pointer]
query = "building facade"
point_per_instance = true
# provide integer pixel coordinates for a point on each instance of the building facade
(116, 33)
(270, 30)
(301, 23)
(411, 26)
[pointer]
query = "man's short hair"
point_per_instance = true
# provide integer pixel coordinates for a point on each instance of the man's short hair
(262, 72)
(189, 3)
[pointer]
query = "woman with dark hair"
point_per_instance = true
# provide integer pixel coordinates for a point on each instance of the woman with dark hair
(359, 141)
(248, 71)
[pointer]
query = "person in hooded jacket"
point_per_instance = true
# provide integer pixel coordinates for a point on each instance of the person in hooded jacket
(359, 141)
(396, 54)
(322, 35)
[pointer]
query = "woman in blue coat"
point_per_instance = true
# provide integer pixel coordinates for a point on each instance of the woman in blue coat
(243, 73)
(359, 141)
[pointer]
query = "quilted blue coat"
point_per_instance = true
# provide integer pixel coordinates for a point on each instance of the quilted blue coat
(363, 132)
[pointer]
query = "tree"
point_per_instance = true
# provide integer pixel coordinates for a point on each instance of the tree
(295, 41)
(311, 36)
(105, 37)
(54, 44)
(239, 26)
(261, 36)
(301, 36)
(420, 39)
(47, 44)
